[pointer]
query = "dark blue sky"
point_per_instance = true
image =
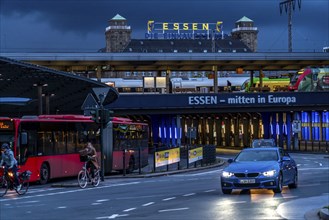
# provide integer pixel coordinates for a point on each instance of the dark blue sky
(79, 25)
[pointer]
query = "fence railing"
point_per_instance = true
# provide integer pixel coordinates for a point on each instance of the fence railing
(167, 158)
(314, 146)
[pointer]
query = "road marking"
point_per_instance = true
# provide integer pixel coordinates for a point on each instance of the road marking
(308, 185)
(204, 173)
(314, 168)
(167, 199)
(172, 210)
(96, 203)
(61, 207)
(147, 204)
(102, 200)
(29, 202)
(70, 191)
(211, 190)
(128, 210)
(190, 194)
(112, 216)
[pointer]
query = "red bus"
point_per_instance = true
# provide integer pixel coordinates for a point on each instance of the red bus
(48, 145)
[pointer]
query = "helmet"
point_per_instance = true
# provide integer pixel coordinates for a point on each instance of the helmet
(5, 146)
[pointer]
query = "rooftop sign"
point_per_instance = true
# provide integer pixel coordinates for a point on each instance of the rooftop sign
(176, 30)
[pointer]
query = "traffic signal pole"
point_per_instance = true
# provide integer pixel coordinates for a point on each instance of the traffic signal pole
(102, 120)
(101, 116)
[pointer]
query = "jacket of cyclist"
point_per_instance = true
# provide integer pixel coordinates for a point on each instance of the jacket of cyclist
(92, 163)
(9, 161)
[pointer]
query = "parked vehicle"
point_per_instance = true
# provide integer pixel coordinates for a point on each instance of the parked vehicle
(272, 84)
(263, 143)
(310, 79)
(260, 168)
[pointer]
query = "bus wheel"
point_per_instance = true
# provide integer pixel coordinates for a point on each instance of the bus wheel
(44, 174)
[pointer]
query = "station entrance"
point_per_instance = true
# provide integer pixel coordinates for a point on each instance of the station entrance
(303, 131)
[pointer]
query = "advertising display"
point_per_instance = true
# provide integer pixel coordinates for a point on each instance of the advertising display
(195, 154)
(167, 157)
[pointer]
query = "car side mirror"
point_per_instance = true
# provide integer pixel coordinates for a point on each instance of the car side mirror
(285, 158)
(230, 160)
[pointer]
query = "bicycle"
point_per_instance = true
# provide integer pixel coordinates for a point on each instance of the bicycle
(84, 176)
(7, 182)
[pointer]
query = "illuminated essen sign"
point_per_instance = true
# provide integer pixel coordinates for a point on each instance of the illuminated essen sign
(6, 125)
(169, 30)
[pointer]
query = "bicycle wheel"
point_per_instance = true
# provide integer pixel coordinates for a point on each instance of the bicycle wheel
(82, 179)
(3, 186)
(97, 179)
(24, 187)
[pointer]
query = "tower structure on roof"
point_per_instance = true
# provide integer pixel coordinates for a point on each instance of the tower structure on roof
(117, 34)
(246, 32)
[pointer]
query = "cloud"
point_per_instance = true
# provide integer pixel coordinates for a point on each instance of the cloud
(81, 23)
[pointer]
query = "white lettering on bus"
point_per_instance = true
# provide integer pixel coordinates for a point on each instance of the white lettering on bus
(202, 100)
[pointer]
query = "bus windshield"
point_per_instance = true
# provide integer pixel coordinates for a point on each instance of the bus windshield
(7, 132)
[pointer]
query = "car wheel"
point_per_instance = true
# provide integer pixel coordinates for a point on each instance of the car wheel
(44, 174)
(278, 188)
(295, 183)
(226, 191)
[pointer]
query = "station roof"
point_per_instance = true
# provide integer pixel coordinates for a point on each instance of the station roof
(175, 61)
(186, 46)
(19, 89)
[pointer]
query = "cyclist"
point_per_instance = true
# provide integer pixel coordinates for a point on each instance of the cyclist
(92, 156)
(8, 159)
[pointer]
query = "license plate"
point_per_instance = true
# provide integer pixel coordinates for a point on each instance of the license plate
(246, 181)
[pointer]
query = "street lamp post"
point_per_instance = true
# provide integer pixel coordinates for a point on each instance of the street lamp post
(101, 107)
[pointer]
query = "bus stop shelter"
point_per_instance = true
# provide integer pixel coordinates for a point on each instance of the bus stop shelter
(28, 89)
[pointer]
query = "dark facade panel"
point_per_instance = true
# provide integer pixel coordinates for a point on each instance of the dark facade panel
(228, 102)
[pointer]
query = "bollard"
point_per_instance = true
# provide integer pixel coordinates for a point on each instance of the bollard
(154, 160)
(187, 156)
(140, 160)
(124, 163)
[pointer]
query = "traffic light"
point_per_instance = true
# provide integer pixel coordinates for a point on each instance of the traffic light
(106, 115)
(95, 115)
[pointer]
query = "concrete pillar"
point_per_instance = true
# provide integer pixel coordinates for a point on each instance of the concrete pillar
(215, 70)
(39, 99)
(99, 73)
(168, 74)
(178, 127)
